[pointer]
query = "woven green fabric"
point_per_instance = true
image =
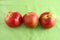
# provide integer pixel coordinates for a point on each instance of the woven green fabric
(22, 32)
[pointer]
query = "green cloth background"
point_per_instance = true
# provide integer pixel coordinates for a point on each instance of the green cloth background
(22, 32)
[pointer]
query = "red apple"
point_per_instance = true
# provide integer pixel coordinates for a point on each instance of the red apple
(13, 19)
(47, 20)
(30, 19)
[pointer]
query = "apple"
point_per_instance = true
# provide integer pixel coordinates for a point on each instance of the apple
(13, 19)
(47, 20)
(30, 19)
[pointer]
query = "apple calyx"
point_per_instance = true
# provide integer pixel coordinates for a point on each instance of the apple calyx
(49, 15)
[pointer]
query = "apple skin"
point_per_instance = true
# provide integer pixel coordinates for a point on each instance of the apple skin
(47, 20)
(30, 19)
(13, 19)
